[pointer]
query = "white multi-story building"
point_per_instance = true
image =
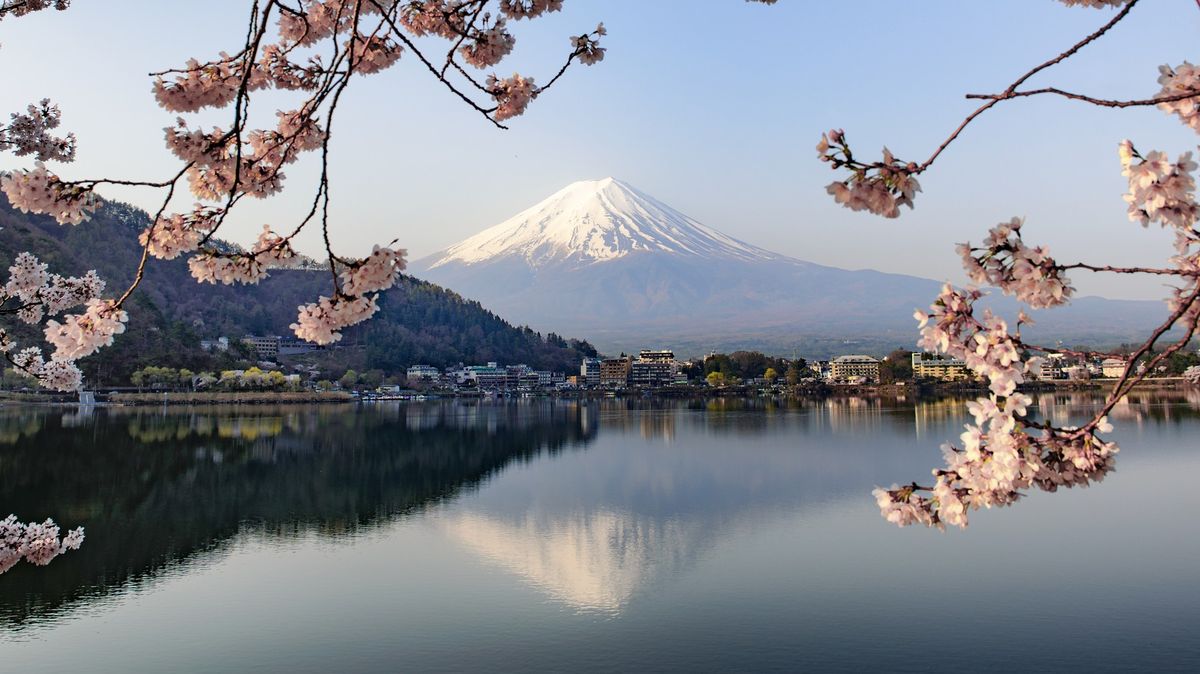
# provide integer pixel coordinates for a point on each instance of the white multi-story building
(423, 373)
(854, 367)
(926, 366)
(1113, 367)
(589, 372)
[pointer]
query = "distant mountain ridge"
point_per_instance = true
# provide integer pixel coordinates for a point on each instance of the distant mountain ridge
(418, 322)
(602, 258)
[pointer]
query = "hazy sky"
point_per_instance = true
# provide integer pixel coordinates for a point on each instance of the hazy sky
(712, 106)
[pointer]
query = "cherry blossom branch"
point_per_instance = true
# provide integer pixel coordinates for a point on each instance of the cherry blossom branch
(1107, 103)
(1008, 92)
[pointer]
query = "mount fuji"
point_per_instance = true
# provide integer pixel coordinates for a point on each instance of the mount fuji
(604, 260)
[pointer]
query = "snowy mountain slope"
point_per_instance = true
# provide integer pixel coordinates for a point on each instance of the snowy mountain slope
(597, 221)
(604, 260)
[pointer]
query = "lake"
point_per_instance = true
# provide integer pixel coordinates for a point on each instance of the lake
(615, 535)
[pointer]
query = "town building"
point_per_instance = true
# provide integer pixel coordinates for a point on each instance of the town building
(820, 368)
(1054, 366)
(614, 372)
(928, 366)
(490, 377)
(294, 346)
(218, 344)
(589, 372)
(423, 373)
(654, 368)
(854, 367)
(267, 348)
(651, 373)
(1113, 367)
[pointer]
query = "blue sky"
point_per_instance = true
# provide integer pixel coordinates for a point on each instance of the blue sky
(712, 106)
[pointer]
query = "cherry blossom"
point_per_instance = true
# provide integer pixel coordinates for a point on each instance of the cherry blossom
(40, 191)
(1181, 79)
(372, 54)
(1192, 375)
(1159, 190)
(29, 134)
(23, 7)
(587, 46)
(489, 46)
(80, 335)
(226, 269)
(377, 272)
(322, 321)
(512, 94)
(1017, 269)
(175, 234)
(880, 188)
(1096, 4)
(529, 9)
(35, 543)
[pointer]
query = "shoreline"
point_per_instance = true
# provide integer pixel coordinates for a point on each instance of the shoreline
(797, 391)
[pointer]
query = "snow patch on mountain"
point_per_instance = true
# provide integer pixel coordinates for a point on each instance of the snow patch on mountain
(593, 221)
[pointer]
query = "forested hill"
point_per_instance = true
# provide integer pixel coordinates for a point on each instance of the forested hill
(418, 322)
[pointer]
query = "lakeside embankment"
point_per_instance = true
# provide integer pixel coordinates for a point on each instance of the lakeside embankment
(797, 391)
(228, 397)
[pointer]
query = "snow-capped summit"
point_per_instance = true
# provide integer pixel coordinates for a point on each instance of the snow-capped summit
(596, 221)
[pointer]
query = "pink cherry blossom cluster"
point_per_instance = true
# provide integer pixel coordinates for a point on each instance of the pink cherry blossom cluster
(371, 53)
(321, 322)
(179, 233)
(529, 9)
(35, 543)
(36, 292)
(377, 272)
(880, 188)
(318, 20)
(998, 455)
(270, 251)
(23, 7)
(1159, 189)
(29, 134)
(1176, 81)
(1192, 375)
(56, 374)
(444, 18)
(80, 335)
(215, 161)
(39, 292)
(512, 94)
(273, 250)
(227, 269)
(204, 85)
(987, 348)
(1006, 262)
(587, 46)
(40, 191)
(488, 46)
(1095, 4)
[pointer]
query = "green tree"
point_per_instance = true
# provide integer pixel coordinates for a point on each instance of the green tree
(793, 374)
(349, 380)
(715, 379)
(770, 375)
(897, 366)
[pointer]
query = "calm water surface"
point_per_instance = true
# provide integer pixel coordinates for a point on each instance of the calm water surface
(606, 536)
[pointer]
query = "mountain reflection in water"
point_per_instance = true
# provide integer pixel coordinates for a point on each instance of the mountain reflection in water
(612, 497)
(155, 488)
